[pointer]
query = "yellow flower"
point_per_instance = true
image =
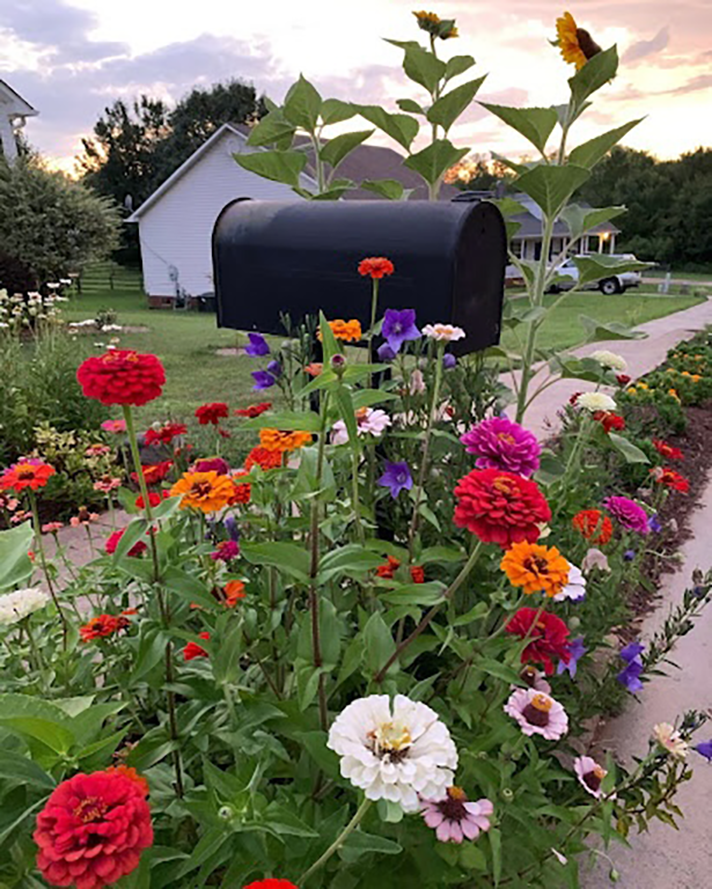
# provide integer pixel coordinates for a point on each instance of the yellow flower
(632, 391)
(206, 491)
(643, 386)
(536, 568)
(576, 44)
(435, 26)
(427, 18)
(673, 393)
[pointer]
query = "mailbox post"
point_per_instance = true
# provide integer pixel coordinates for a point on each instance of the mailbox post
(301, 257)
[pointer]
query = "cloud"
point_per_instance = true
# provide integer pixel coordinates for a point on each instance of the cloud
(644, 48)
(701, 82)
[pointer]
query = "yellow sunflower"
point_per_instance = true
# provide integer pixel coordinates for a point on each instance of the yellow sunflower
(535, 568)
(576, 44)
(206, 491)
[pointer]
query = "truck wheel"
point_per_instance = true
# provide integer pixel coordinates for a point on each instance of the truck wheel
(610, 286)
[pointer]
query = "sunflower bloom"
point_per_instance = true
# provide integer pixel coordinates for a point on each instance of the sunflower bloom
(536, 568)
(576, 44)
(206, 491)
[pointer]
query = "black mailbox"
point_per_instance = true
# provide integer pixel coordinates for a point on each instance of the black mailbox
(300, 257)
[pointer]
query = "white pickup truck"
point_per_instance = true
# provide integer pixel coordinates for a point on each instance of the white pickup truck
(612, 283)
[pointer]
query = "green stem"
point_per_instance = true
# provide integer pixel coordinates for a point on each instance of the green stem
(45, 568)
(338, 842)
(412, 530)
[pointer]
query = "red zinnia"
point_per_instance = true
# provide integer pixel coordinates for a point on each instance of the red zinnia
(31, 474)
(243, 490)
(375, 267)
(193, 650)
(212, 464)
(594, 526)
(262, 457)
(122, 376)
(211, 413)
(549, 636)
(271, 883)
(622, 379)
(254, 410)
(113, 541)
(417, 574)
(389, 568)
(609, 420)
(154, 498)
(165, 434)
(93, 830)
(671, 479)
(667, 450)
(500, 507)
(154, 473)
(103, 625)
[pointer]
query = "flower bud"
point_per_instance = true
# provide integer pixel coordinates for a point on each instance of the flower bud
(338, 363)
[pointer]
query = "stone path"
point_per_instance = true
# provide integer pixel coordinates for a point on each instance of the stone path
(642, 356)
(664, 858)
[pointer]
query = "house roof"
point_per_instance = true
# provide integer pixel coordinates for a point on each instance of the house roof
(19, 107)
(365, 162)
(530, 221)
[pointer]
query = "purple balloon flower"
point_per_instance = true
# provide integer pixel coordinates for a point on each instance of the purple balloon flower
(399, 326)
(397, 477)
(258, 345)
(501, 444)
(629, 513)
(385, 353)
(449, 361)
(263, 379)
(231, 527)
(632, 652)
(576, 651)
(654, 524)
(705, 749)
(630, 676)
(629, 555)
(274, 368)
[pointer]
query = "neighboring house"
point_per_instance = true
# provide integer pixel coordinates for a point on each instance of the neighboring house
(13, 112)
(176, 221)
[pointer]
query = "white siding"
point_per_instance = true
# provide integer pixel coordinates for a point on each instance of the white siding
(177, 229)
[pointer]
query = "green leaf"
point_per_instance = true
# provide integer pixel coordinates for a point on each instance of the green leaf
(535, 124)
(449, 107)
(512, 165)
(166, 508)
(348, 415)
(378, 643)
(434, 161)
(631, 452)
(302, 421)
(134, 531)
(423, 67)
(350, 559)
(582, 219)
(302, 105)
(495, 842)
(359, 843)
(594, 74)
(458, 65)
(550, 187)
(15, 564)
(414, 593)
(272, 128)
(283, 821)
(336, 149)
(442, 554)
(279, 166)
(400, 127)
(498, 670)
(15, 767)
(597, 266)
(336, 111)
(596, 331)
(37, 719)
(590, 153)
(288, 557)
(410, 106)
(189, 587)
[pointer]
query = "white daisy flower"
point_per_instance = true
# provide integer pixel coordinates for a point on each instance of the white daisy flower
(575, 589)
(609, 359)
(401, 755)
(537, 713)
(19, 604)
(590, 775)
(595, 401)
(669, 738)
(443, 332)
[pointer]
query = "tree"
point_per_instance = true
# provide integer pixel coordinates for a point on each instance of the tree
(51, 223)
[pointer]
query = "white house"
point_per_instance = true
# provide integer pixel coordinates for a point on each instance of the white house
(176, 222)
(13, 112)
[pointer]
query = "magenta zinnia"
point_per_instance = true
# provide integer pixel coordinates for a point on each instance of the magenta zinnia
(629, 513)
(500, 443)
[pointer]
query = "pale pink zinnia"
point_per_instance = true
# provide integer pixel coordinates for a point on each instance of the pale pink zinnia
(500, 443)
(537, 713)
(590, 775)
(454, 818)
(368, 422)
(107, 485)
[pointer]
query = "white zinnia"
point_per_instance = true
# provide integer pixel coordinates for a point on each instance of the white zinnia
(399, 756)
(609, 359)
(596, 401)
(575, 589)
(671, 740)
(19, 604)
(443, 332)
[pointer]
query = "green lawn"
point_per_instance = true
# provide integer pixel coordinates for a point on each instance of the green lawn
(187, 342)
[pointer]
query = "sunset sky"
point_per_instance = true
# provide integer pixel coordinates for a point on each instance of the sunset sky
(71, 58)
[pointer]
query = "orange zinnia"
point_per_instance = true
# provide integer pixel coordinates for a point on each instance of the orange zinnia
(345, 330)
(32, 474)
(536, 568)
(263, 458)
(234, 590)
(594, 526)
(243, 490)
(206, 491)
(276, 440)
(314, 369)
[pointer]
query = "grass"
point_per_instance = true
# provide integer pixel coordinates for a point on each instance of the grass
(187, 343)
(702, 277)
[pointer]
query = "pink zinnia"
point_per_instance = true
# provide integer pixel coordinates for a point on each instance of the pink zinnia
(226, 551)
(454, 818)
(501, 444)
(630, 514)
